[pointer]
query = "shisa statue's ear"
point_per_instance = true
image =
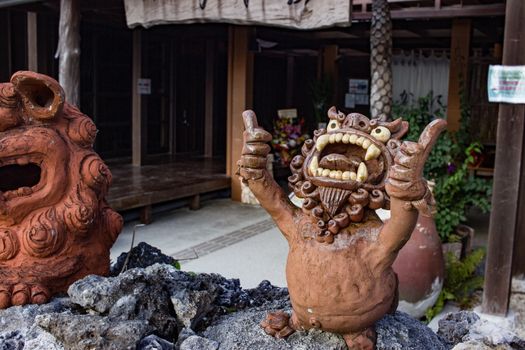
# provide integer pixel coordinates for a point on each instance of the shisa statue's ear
(42, 96)
(398, 128)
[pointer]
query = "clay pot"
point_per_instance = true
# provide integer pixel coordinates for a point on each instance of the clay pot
(420, 268)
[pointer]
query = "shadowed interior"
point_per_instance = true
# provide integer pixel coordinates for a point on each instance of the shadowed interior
(16, 176)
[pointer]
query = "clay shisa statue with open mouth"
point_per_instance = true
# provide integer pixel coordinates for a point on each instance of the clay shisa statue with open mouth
(55, 225)
(339, 270)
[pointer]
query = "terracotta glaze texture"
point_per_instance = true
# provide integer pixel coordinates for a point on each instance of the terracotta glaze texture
(55, 225)
(339, 267)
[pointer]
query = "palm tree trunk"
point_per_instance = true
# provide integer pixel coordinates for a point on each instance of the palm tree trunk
(381, 60)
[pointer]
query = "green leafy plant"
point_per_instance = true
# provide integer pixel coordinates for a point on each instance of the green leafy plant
(460, 282)
(448, 165)
(322, 92)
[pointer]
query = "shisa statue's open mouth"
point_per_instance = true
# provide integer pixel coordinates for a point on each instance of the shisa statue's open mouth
(352, 158)
(25, 161)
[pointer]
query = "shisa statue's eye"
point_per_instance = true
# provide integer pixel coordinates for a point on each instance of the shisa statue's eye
(333, 125)
(381, 133)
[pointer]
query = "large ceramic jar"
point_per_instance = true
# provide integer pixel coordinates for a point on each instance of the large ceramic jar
(420, 268)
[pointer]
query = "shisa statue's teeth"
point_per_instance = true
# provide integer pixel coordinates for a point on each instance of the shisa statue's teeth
(372, 152)
(314, 164)
(353, 175)
(332, 138)
(362, 172)
(319, 172)
(366, 144)
(338, 175)
(333, 173)
(346, 175)
(359, 140)
(338, 137)
(353, 138)
(322, 141)
(326, 172)
(346, 138)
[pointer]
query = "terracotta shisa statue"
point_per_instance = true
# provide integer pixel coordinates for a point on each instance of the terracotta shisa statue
(55, 226)
(339, 270)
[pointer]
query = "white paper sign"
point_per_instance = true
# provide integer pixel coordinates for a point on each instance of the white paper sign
(361, 100)
(506, 84)
(358, 86)
(349, 100)
(144, 86)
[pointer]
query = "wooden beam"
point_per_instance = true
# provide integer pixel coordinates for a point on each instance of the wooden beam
(239, 98)
(32, 47)
(68, 51)
(137, 133)
(459, 55)
(441, 12)
(208, 98)
(506, 191)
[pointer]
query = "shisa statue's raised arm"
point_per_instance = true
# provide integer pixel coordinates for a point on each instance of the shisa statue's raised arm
(339, 270)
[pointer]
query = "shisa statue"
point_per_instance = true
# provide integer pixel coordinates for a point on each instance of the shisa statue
(339, 270)
(55, 225)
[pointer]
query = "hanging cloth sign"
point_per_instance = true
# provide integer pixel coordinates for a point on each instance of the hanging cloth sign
(506, 84)
(298, 14)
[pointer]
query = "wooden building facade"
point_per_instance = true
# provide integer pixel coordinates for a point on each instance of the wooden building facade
(180, 133)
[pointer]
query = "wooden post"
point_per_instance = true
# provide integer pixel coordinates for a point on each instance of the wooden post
(290, 62)
(458, 73)
(329, 65)
(240, 77)
(68, 50)
(32, 47)
(138, 142)
(208, 108)
(518, 261)
(509, 156)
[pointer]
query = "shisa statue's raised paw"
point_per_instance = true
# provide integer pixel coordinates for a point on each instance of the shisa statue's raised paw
(55, 225)
(339, 270)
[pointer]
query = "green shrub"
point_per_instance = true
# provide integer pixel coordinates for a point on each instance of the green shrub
(448, 165)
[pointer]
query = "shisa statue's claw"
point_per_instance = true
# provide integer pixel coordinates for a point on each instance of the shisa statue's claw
(278, 324)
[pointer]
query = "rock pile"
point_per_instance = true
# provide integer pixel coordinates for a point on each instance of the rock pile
(159, 307)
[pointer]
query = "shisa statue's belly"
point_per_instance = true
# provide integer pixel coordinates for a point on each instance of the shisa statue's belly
(338, 287)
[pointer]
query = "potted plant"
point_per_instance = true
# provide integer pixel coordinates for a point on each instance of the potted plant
(455, 192)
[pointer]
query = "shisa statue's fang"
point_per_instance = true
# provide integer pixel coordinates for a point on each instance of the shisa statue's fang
(339, 270)
(55, 225)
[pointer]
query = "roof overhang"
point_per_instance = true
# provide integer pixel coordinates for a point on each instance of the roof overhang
(298, 14)
(7, 3)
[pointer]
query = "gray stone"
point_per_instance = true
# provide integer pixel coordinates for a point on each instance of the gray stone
(137, 294)
(402, 332)
(466, 330)
(454, 326)
(241, 330)
(143, 255)
(12, 341)
(86, 332)
(152, 342)
(195, 342)
(183, 335)
(17, 326)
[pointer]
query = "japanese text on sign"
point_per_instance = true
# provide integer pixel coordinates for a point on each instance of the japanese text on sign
(506, 84)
